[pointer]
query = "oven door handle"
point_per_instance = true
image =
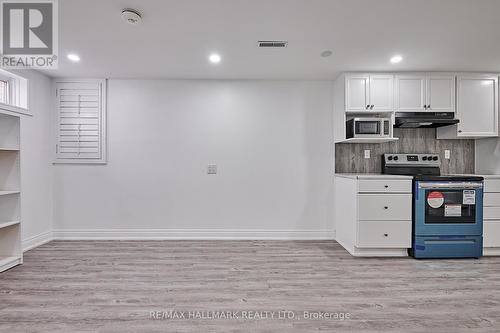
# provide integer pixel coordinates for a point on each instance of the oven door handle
(454, 185)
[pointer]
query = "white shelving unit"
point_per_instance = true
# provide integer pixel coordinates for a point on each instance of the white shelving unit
(10, 194)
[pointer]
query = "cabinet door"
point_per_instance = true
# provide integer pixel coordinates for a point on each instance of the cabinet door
(441, 93)
(410, 93)
(381, 92)
(357, 89)
(477, 105)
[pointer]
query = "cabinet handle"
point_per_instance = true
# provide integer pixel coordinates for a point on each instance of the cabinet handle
(386, 186)
(367, 107)
(371, 107)
(386, 235)
(459, 131)
(386, 207)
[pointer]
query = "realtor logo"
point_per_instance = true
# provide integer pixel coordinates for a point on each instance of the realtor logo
(29, 34)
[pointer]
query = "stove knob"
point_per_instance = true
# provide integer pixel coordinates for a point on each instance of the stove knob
(435, 158)
(424, 158)
(396, 158)
(389, 158)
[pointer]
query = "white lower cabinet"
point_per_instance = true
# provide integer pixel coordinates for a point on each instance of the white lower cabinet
(491, 216)
(491, 199)
(384, 234)
(491, 232)
(491, 213)
(386, 207)
(383, 186)
(373, 214)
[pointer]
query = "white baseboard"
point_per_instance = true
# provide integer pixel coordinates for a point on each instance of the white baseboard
(191, 234)
(491, 251)
(37, 240)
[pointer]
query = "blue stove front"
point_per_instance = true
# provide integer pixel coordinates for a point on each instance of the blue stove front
(447, 219)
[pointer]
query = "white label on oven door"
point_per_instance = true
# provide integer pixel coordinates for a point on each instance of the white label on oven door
(453, 210)
(469, 197)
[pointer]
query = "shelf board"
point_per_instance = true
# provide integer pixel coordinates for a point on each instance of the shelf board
(8, 262)
(368, 112)
(368, 140)
(8, 224)
(9, 192)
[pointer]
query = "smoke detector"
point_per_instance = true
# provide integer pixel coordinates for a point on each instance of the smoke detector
(131, 16)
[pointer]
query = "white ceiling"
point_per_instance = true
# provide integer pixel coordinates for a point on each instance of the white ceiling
(176, 36)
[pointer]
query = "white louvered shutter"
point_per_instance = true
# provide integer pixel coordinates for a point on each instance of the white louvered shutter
(81, 126)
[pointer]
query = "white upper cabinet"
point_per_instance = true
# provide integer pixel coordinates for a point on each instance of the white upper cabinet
(425, 92)
(477, 105)
(410, 93)
(381, 92)
(477, 108)
(441, 93)
(357, 90)
(369, 92)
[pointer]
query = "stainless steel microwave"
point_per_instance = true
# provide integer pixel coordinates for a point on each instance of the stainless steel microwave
(368, 128)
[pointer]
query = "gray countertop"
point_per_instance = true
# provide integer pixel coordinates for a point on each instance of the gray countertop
(371, 176)
(383, 176)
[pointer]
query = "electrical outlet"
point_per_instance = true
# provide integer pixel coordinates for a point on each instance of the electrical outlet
(212, 169)
(447, 154)
(367, 153)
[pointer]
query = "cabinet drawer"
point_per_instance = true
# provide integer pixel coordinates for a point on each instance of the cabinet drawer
(384, 207)
(382, 186)
(491, 234)
(384, 234)
(491, 213)
(491, 199)
(492, 185)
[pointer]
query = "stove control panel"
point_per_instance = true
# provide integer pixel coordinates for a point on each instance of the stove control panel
(412, 159)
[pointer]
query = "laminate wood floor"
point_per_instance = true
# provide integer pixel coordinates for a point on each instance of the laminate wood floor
(113, 286)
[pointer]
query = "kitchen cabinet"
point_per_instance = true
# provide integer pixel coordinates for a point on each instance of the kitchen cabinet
(420, 92)
(369, 92)
(477, 108)
(410, 94)
(491, 216)
(440, 92)
(373, 214)
(357, 92)
(354, 94)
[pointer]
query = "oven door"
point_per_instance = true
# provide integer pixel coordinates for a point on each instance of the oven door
(448, 208)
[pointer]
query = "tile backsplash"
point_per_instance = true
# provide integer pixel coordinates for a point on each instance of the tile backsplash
(349, 158)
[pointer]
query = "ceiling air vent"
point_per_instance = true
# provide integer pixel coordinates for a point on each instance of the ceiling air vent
(273, 43)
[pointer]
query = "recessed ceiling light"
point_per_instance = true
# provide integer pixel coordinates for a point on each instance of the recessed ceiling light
(396, 59)
(326, 53)
(73, 57)
(214, 58)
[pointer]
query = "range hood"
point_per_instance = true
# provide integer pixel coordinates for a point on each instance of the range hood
(424, 119)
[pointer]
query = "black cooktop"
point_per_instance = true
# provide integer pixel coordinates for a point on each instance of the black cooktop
(448, 178)
(425, 167)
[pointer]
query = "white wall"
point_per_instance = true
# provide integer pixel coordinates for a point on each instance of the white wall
(36, 164)
(488, 156)
(270, 140)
